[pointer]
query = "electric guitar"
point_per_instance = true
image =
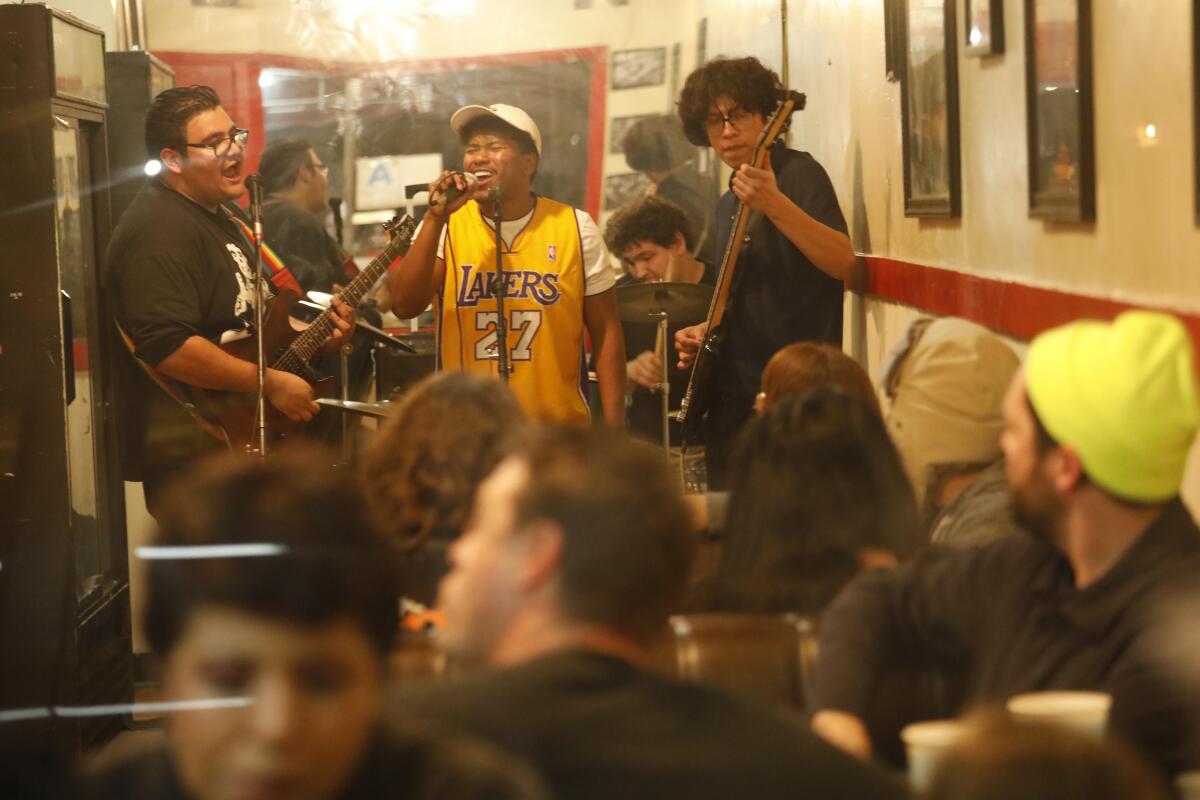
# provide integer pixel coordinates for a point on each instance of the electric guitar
(697, 400)
(231, 415)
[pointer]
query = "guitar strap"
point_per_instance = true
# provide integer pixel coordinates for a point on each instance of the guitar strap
(277, 273)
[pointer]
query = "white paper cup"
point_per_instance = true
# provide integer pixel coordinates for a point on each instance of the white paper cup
(927, 744)
(1085, 712)
(1188, 785)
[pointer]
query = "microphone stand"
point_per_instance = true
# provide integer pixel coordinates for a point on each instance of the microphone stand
(260, 410)
(501, 316)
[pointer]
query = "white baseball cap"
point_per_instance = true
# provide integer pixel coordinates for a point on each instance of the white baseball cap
(510, 114)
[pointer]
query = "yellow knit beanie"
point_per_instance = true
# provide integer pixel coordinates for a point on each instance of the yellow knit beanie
(1123, 396)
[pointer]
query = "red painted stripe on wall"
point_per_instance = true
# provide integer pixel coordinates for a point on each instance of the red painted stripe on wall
(1015, 309)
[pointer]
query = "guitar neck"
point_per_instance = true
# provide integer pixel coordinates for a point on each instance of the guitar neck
(310, 342)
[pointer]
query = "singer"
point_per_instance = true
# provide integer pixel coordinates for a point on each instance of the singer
(182, 278)
(558, 282)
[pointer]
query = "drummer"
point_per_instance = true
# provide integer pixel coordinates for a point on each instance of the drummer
(654, 239)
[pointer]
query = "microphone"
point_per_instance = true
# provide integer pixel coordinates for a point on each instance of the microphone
(453, 193)
(254, 186)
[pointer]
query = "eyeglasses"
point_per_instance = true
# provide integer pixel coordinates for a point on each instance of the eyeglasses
(738, 118)
(222, 147)
(319, 167)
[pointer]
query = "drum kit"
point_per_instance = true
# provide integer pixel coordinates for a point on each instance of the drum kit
(663, 304)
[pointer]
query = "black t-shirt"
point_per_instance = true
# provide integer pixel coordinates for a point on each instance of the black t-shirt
(780, 297)
(298, 239)
(599, 727)
(176, 271)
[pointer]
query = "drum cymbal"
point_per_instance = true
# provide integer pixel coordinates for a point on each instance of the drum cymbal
(382, 408)
(682, 302)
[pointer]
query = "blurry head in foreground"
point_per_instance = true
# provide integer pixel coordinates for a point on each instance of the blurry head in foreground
(423, 467)
(272, 603)
(1001, 759)
(817, 493)
(579, 539)
(802, 366)
(1106, 411)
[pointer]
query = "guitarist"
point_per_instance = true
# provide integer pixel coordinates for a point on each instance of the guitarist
(789, 280)
(182, 280)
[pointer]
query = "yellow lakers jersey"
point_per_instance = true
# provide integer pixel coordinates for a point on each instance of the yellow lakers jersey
(543, 300)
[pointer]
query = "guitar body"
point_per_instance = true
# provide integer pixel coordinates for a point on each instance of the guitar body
(234, 412)
(691, 426)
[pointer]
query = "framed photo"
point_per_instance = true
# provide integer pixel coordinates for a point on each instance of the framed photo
(619, 189)
(1058, 107)
(619, 126)
(929, 110)
(643, 67)
(985, 27)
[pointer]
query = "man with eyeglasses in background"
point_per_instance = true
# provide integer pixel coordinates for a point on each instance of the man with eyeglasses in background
(182, 280)
(295, 182)
(793, 263)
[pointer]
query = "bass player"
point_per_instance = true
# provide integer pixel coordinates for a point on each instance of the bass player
(792, 264)
(182, 276)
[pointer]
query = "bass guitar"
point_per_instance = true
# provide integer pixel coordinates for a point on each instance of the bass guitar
(232, 414)
(697, 400)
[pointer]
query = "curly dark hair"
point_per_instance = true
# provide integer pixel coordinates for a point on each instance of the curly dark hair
(744, 80)
(650, 219)
(424, 465)
(168, 115)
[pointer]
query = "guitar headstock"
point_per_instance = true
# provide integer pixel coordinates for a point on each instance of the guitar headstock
(400, 227)
(776, 124)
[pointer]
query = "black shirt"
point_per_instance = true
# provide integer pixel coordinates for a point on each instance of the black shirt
(1008, 615)
(177, 270)
(595, 726)
(779, 296)
(407, 763)
(298, 239)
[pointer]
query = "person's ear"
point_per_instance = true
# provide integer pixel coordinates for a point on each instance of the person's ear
(1067, 470)
(679, 245)
(543, 555)
(171, 160)
(530, 164)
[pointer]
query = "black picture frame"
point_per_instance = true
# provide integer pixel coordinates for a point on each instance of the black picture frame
(929, 110)
(1059, 113)
(983, 28)
(622, 188)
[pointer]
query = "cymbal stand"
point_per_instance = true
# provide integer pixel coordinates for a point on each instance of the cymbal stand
(665, 387)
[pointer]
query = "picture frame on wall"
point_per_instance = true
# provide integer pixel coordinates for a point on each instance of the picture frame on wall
(1058, 107)
(984, 27)
(619, 126)
(929, 110)
(645, 66)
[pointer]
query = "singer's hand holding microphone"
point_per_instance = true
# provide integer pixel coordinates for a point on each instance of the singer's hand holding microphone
(450, 192)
